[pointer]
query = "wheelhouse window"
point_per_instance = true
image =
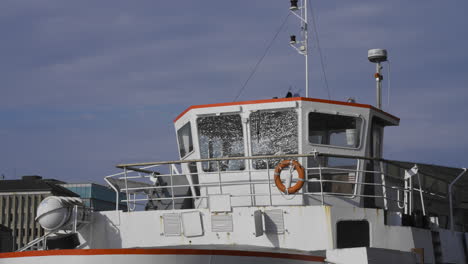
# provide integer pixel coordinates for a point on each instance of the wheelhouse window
(273, 133)
(220, 137)
(339, 175)
(334, 130)
(184, 136)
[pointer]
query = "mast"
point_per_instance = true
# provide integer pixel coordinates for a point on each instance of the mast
(378, 56)
(302, 47)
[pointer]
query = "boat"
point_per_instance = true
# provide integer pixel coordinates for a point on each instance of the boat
(281, 180)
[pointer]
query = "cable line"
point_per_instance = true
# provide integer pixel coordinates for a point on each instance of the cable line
(314, 25)
(254, 70)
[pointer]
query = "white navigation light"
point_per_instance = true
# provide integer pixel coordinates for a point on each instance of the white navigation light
(57, 212)
(377, 55)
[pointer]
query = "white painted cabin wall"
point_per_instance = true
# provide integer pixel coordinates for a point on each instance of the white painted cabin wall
(382, 236)
(307, 147)
(307, 228)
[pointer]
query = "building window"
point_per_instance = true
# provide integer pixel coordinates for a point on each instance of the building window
(221, 136)
(273, 133)
(184, 136)
(335, 130)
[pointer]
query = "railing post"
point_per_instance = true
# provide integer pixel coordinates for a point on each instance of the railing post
(253, 201)
(409, 188)
(384, 187)
(219, 177)
(126, 189)
(172, 187)
(44, 243)
(117, 200)
(321, 183)
(421, 196)
(450, 197)
(269, 182)
(411, 195)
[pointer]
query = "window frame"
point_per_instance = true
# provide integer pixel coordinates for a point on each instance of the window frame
(250, 145)
(191, 139)
(244, 138)
(361, 134)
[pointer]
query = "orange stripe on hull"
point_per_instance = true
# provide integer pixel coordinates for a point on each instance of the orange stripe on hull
(158, 251)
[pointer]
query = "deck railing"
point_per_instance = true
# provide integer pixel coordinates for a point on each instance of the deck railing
(143, 184)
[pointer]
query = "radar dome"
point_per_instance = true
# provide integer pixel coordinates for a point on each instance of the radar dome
(377, 55)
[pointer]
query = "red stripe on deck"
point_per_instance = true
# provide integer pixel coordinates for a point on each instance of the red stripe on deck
(158, 251)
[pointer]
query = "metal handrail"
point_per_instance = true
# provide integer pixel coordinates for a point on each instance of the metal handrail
(313, 175)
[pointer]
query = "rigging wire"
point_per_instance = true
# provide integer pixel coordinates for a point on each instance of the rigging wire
(388, 84)
(314, 25)
(254, 70)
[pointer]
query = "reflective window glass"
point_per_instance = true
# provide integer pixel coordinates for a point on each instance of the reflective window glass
(184, 135)
(273, 133)
(335, 130)
(221, 136)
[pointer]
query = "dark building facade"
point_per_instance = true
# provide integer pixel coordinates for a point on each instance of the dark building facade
(6, 239)
(19, 200)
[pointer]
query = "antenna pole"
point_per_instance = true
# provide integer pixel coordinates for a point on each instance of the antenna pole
(302, 47)
(378, 56)
(306, 44)
(379, 85)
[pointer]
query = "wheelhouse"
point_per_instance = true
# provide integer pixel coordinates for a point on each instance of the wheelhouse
(282, 127)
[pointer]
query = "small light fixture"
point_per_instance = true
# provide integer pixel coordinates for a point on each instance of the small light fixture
(292, 40)
(293, 5)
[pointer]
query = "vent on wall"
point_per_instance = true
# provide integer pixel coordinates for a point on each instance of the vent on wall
(192, 224)
(274, 222)
(221, 223)
(172, 224)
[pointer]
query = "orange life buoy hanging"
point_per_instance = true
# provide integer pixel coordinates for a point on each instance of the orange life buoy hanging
(300, 171)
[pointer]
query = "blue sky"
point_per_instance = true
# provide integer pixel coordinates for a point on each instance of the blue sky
(89, 84)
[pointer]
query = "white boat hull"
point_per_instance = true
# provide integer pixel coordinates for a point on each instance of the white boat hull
(154, 256)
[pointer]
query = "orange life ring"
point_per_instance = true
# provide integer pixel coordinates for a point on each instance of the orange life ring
(300, 171)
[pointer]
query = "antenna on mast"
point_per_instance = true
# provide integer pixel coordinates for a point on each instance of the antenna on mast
(378, 56)
(301, 46)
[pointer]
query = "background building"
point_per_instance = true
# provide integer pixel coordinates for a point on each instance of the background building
(6, 239)
(19, 200)
(95, 196)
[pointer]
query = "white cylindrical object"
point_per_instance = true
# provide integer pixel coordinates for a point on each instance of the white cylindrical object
(56, 212)
(351, 135)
